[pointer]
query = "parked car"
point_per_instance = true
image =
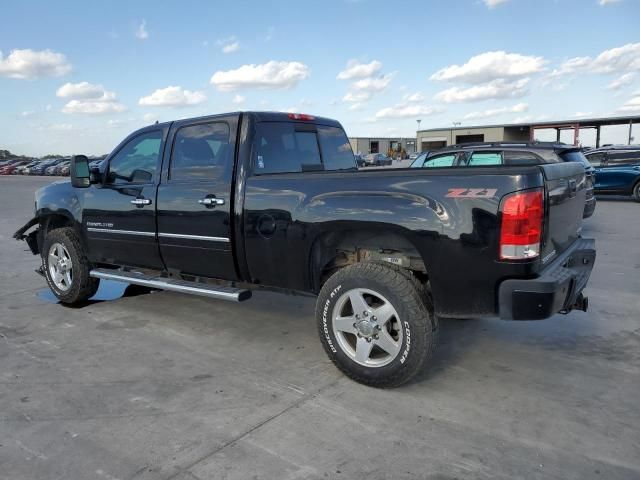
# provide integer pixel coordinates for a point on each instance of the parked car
(359, 160)
(377, 159)
(617, 170)
(26, 168)
(11, 166)
(41, 168)
(217, 206)
(504, 153)
(50, 170)
(60, 167)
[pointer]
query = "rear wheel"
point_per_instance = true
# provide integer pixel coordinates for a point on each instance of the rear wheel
(636, 192)
(66, 266)
(376, 324)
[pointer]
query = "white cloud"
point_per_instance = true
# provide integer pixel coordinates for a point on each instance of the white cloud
(273, 74)
(405, 110)
(582, 114)
(228, 45)
(80, 90)
(415, 97)
(238, 99)
(494, 3)
(88, 98)
(373, 84)
(356, 97)
(27, 113)
(230, 48)
(619, 59)
(633, 105)
(93, 107)
(491, 90)
(49, 107)
(355, 69)
(530, 118)
(622, 81)
(150, 117)
(172, 96)
(518, 108)
(491, 66)
(354, 107)
(29, 64)
(607, 2)
(141, 32)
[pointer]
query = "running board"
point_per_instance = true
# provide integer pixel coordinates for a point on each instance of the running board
(173, 285)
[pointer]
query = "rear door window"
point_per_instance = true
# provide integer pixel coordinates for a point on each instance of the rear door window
(201, 152)
(280, 148)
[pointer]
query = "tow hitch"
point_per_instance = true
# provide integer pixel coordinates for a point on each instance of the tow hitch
(581, 303)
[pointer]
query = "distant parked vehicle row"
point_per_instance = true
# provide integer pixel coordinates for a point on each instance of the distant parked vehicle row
(51, 167)
(617, 170)
(487, 154)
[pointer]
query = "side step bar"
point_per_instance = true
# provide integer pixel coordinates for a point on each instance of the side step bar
(182, 286)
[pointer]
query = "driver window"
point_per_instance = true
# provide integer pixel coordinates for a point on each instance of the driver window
(136, 161)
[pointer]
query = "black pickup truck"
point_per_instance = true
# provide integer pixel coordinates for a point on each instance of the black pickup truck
(224, 204)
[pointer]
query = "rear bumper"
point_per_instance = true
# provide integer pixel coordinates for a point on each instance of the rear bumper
(558, 289)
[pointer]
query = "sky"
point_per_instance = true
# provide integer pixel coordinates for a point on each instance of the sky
(77, 77)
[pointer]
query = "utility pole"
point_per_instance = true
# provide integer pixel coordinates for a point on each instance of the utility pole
(416, 149)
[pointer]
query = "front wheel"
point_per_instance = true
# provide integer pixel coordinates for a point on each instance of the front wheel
(66, 266)
(375, 322)
(636, 192)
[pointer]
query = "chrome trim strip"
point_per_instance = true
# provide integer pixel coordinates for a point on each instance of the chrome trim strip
(121, 232)
(206, 292)
(193, 237)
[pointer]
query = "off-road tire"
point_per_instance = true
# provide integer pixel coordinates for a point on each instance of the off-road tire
(82, 286)
(411, 301)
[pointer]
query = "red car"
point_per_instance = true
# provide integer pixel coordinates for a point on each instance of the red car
(8, 168)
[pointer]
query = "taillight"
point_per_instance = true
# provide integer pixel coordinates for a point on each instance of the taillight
(521, 229)
(301, 116)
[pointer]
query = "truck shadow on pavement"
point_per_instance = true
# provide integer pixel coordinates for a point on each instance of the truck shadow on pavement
(108, 290)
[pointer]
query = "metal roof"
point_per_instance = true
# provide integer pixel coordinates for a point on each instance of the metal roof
(583, 122)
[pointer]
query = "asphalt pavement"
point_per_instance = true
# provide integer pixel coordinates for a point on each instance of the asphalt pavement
(168, 386)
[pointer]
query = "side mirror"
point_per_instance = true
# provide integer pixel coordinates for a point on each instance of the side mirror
(79, 171)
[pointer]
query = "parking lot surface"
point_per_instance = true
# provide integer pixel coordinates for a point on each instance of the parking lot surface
(168, 386)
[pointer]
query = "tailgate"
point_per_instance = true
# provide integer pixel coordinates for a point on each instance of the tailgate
(566, 187)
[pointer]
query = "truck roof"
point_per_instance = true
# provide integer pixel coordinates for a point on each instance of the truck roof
(263, 116)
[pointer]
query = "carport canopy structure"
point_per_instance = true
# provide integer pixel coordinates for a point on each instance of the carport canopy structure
(585, 123)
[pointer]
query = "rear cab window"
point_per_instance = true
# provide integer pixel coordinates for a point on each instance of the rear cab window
(288, 147)
(481, 159)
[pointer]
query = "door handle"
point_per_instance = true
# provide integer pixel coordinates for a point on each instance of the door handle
(140, 202)
(211, 201)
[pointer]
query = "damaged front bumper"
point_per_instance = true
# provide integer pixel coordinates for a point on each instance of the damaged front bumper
(32, 237)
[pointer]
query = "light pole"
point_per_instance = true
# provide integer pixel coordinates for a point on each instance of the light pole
(416, 148)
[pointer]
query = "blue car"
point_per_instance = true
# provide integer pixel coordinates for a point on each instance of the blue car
(617, 170)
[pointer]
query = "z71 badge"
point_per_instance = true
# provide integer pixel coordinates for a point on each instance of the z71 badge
(471, 193)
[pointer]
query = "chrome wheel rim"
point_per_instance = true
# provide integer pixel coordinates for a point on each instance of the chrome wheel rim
(367, 327)
(60, 267)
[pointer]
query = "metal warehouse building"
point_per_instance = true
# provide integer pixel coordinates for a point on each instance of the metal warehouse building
(365, 145)
(433, 139)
